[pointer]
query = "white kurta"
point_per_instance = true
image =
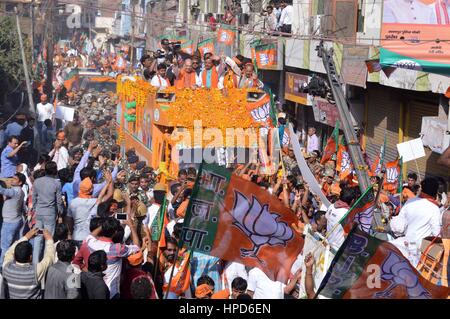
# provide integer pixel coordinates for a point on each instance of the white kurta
(408, 11)
(334, 215)
(419, 218)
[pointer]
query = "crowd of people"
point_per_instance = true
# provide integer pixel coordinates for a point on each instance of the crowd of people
(77, 216)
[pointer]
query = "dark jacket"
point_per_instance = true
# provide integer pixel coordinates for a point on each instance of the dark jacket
(93, 286)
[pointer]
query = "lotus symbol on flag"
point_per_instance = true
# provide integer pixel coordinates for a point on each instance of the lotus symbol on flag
(264, 58)
(398, 272)
(224, 37)
(345, 161)
(259, 225)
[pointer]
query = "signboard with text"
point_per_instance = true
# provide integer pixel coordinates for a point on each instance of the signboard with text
(414, 33)
(325, 112)
(293, 84)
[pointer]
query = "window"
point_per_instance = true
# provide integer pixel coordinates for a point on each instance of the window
(345, 18)
(320, 6)
(255, 6)
(9, 7)
(212, 6)
(360, 27)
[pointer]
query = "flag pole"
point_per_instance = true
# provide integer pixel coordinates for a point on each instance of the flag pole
(171, 273)
(346, 214)
(161, 225)
(377, 197)
(158, 254)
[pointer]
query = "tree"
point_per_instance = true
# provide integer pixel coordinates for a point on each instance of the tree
(11, 69)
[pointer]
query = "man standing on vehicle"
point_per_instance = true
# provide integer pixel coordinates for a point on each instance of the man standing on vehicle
(74, 131)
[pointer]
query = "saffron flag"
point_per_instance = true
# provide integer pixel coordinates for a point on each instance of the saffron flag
(253, 46)
(266, 56)
(188, 47)
(361, 212)
(390, 183)
(71, 79)
(369, 268)
(373, 65)
(273, 110)
(332, 145)
(344, 164)
(182, 278)
(226, 34)
(156, 228)
(379, 161)
(235, 220)
(206, 46)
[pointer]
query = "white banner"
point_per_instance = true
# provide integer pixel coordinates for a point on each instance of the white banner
(64, 113)
(307, 175)
(322, 259)
(411, 150)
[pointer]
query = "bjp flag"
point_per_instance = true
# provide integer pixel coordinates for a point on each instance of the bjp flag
(379, 161)
(361, 212)
(332, 145)
(188, 47)
(366, 267)
(344, 164)
(266, 56)
(182, 279)
(235, 220)
(226, 34)
(206, 46)
(71, 79)
(253, 46)
(391, 178)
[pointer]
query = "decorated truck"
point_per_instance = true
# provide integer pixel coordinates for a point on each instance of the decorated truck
(177, 128)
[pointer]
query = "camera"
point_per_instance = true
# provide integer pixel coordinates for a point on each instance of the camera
(121, 216)
(159, 54)
(317, 87)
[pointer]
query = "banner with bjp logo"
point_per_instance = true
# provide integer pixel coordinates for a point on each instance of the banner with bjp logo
(226, 34)
(235, 220)
(413, 35)
(344, 163)
(188, 47)
(392, 175)
(253, 44)
(206, 46)
(266, 56)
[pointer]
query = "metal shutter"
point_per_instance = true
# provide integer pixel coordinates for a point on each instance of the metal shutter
(383, 115)
(427, 164)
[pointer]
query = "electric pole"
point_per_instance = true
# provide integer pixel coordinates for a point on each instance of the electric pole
(354, 146)
(49, 81)
(32, 30)
(25, 68)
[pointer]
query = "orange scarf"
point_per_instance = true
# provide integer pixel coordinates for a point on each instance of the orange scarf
(186, 80)
(230, 80)
(214, 78)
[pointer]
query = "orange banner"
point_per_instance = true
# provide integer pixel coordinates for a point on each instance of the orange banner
(413, 35)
